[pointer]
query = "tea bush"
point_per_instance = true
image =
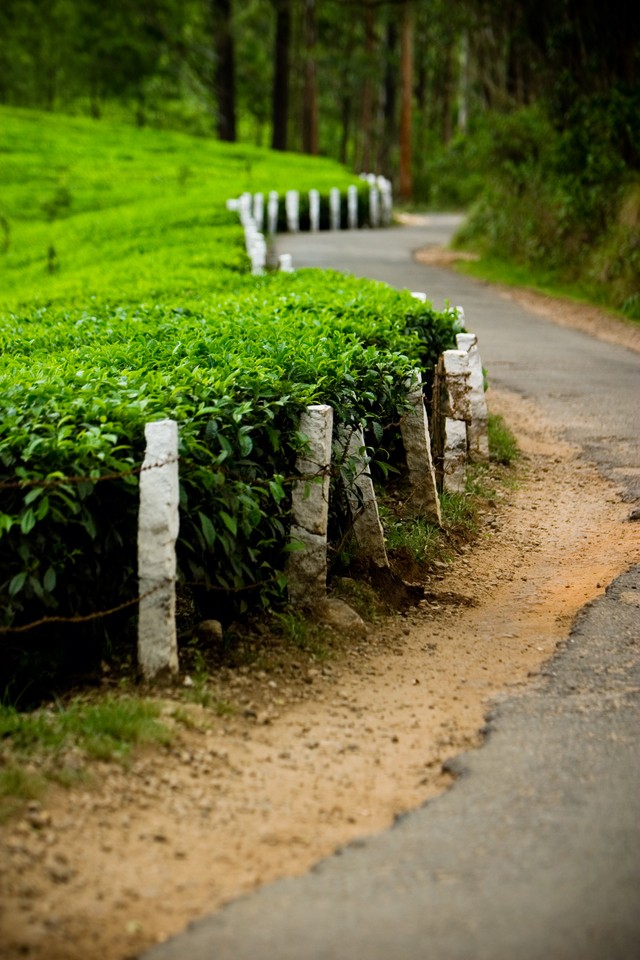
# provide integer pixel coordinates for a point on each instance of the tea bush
(127, 299)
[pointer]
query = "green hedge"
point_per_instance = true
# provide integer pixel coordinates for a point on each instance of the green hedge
(126, 298)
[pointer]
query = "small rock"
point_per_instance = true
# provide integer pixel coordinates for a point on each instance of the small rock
(60, 872)
(339, 615)
(209, 631)
(634, 514)
(39, 819)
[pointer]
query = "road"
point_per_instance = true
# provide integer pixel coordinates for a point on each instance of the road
(535, 851)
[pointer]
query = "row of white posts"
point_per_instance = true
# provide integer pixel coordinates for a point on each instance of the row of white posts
(251, 210)
(462, 413)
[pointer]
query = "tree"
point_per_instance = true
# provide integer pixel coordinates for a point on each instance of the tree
(224, 69)
(310, 87)
(281, 51)
(406, 74)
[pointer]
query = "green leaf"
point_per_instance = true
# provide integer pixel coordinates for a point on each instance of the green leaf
(27, 521)
(207, 528)
(17, 583)
(229, 522)
(277, 490)
(43, 508)
(32, 495)
(49, 580)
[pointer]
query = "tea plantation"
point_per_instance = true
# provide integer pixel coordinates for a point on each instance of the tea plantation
(126, 296)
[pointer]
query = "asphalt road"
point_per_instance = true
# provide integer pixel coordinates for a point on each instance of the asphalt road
(534, 853)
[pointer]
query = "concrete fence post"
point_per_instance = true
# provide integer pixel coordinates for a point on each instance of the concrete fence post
(314, 210)
(158, 522)
(272, 213)
(334, 208)
(362, 499)
(414, 428)
(244, 208)
(258, 254)
(457, 414)
(306, 568)
(374, 206)
(386, 199)
(285, 262)
(292, 206)
(352, 207)
(258, 210)
(478, 432)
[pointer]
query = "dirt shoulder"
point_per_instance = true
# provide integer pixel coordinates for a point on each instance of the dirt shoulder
(306, 765)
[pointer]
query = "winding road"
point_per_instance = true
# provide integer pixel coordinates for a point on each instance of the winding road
(535, 851)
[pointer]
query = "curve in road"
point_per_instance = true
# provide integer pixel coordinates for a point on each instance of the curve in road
(535, 851)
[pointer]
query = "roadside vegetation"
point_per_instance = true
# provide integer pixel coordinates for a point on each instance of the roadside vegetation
(146, 309)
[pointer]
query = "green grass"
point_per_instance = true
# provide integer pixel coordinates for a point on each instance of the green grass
(56, 744)
(95, 209)
(503, 446)
(424, 542)
(105, 730)
(302, 633)
(544, 282)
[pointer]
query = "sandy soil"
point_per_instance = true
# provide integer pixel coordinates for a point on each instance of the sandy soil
(322, 760)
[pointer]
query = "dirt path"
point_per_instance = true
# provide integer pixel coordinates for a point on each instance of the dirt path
(337, 755)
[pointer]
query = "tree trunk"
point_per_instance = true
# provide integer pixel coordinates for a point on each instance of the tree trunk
(447, 81)
(406, 73)
(463, 84)
(365, 151)
(310, 95)
(224, 71)
(280, 104)
(389, 129)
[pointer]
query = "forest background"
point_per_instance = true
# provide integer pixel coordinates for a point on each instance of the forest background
(525, 111)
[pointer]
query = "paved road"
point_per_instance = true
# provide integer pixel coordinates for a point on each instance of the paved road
(534, 854)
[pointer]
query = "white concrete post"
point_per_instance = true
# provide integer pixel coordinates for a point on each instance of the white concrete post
(352, 207)
(292, 205)
(362, 499)
(414, 428)
(258, 210)
(386, 199)
(285, 262)
(314, 211)
(244, 208)
(250, 234)
(272, 213)
(258, 254)
(374, 206)
(455, 456)
(458, 415)
(457, 373)
(158, 522)
(478, 433)
(334, 208)
(306, 568)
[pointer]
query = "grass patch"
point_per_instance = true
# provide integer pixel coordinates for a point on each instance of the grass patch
(302, 633)
(55, 744)
(362, 597)
(105, 730)
(544, 282)
(503, 446)
(20, 784)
